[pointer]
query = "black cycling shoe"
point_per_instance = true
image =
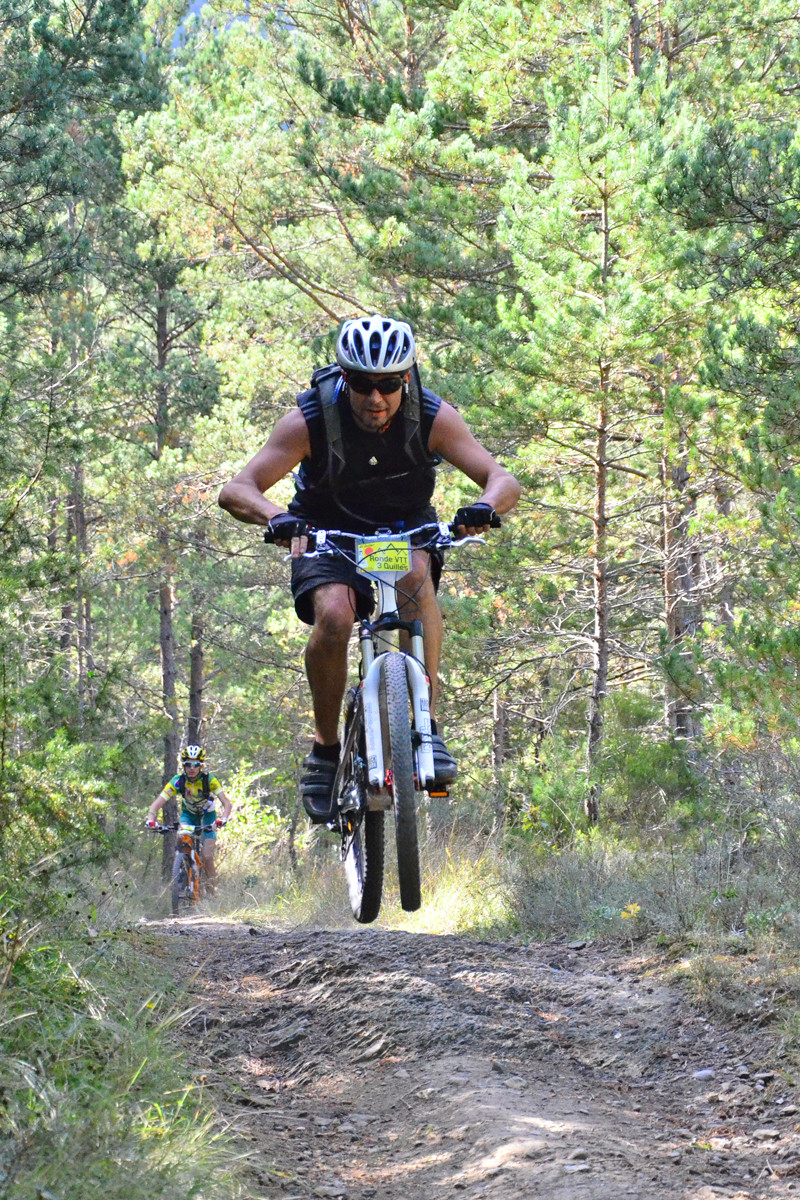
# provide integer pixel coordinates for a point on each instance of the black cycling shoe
(316, 788)
(444, 764)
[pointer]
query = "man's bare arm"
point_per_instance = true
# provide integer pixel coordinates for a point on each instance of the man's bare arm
(244, 496)
(451, 438)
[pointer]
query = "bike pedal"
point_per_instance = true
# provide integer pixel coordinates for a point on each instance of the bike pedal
(439, 794)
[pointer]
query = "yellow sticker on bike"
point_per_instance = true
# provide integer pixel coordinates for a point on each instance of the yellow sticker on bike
(383, 556)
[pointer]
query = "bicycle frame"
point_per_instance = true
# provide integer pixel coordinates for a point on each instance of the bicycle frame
(190, 841)
(188, 845)
(383, 630)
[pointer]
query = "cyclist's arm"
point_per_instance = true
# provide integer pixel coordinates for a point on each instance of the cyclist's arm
(160, 800)
(288, 445)
(225, 802)
(451, 438)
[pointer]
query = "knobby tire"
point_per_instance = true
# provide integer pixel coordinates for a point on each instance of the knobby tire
(363, 842)
(180, 884)
(399, 758)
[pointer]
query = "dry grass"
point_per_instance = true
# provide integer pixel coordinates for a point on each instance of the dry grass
(97, 1104)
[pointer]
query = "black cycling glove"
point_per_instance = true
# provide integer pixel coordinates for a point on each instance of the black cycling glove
(283, 527)
(472, 516)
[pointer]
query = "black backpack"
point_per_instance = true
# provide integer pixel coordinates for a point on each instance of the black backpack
(204, 779)
(324, 381)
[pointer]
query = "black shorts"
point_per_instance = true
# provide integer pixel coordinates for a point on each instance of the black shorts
(310, 573)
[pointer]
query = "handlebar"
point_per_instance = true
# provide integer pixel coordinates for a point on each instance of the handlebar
(441, 534)
(175, 827)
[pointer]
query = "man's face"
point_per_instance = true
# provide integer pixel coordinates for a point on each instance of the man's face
(373, 409)
(192, 769)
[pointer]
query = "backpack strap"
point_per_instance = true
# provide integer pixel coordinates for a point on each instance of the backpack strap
(412, 406)
(329, 385)
(204, 779)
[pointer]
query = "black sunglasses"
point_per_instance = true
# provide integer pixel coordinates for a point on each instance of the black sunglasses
(362, 383)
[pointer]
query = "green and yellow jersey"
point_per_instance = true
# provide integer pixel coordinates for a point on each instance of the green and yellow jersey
(193, 800)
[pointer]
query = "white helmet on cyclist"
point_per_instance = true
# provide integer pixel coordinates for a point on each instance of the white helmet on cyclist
(376, 344)
(193, 754)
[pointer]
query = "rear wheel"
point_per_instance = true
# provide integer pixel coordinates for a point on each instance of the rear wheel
(363, 865)
(399, 759)
(180, 885)
(362, 830)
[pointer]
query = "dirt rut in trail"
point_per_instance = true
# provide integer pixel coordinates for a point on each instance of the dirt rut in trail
(403, 1067)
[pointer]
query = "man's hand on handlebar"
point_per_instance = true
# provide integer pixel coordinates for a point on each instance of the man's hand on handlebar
(475, 518)
(150, 823)
(286, 530)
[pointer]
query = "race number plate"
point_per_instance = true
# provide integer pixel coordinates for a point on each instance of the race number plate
(383, 556)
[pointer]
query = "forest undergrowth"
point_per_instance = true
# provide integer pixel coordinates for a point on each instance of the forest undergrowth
(91, 1073)
(96, 1099)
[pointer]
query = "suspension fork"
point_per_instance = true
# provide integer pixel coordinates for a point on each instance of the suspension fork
(420, 702)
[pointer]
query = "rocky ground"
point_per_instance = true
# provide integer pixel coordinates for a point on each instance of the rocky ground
(398, 1066)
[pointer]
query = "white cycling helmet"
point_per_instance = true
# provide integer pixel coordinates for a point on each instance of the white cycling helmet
(376, 344)
(193, 754)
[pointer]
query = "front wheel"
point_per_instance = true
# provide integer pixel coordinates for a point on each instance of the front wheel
(399, 760)
(180, 885)
(362, 830)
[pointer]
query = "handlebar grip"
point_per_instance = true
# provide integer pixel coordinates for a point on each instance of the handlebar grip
(269, 536)
(495, 522)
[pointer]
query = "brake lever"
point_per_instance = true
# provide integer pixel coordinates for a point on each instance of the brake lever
(473, 537)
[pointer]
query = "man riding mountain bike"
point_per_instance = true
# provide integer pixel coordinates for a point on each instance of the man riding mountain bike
(198, 792)
(367, 437)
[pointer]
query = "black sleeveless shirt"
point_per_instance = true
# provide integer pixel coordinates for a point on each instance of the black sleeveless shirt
(380, 484)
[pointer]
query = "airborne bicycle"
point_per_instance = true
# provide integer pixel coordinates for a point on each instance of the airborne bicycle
(387, 754)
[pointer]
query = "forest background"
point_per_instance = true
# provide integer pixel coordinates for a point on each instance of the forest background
(590, 214)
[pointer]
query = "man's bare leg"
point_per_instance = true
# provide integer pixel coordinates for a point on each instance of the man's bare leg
(326, 656)
(209, 866)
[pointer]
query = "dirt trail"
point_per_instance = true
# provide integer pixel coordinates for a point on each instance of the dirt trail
(403, 1067)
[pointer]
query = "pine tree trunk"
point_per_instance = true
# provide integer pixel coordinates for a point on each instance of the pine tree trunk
(196, 679)
(682, 568)
(725, 595)
(600, 653)
(196, 731)
(166, 605)
(77, 629)
(162, 387)
(499, 751)
(635, 39)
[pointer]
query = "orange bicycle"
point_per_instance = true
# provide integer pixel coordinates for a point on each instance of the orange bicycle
(187, 869)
